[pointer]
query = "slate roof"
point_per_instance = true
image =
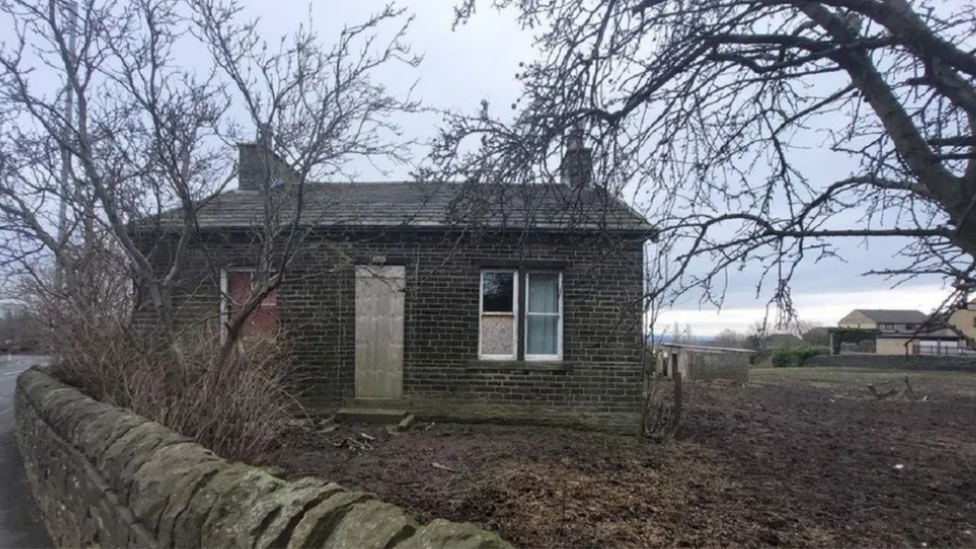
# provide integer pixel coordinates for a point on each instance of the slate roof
(428, 205)
(894, 316)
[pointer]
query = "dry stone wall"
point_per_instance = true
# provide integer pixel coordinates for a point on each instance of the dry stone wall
(103, 477)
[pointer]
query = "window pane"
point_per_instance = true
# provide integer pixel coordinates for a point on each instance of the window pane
(543, 335)
(497, 292)
(543, 293)
(496, 335)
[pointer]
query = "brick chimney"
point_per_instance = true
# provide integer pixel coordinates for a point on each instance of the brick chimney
(576, 168)
(259, 168)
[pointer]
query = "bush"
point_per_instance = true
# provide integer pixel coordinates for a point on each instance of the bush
(239, 409)
(792, 357)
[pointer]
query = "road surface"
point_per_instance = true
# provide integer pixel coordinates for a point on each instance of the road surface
(18, 523)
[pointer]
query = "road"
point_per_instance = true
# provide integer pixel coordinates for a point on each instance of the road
(19, 526)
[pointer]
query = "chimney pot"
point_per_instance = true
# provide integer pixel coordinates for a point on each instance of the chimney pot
(576, 168)
(259, 168)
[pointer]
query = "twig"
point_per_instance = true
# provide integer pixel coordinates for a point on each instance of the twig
(909, 390)
(880, 395)
(436, 465)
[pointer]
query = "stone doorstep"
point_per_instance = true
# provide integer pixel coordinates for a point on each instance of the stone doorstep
(384, 403)
(360, 414)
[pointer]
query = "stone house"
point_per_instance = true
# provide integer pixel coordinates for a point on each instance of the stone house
(900, 332)
(887, 321)
(436, 296)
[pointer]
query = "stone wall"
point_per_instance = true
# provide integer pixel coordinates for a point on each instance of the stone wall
(702, 366)
(103, 477)
(602, 286)
(890, 346)
(895, 362)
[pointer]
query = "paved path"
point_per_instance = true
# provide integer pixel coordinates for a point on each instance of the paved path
(18, 525)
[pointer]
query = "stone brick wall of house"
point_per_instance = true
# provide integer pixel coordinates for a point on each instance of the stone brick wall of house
(602, 282)
(103, 477)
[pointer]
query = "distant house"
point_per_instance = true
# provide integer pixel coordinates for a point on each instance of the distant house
(887, 321)
(900, 332)
(964, 321)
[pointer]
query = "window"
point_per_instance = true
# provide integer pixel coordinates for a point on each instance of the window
(499, 310)
(909, 326)
(887, 326)
(541, 325)
(543, 316)
(236, 288)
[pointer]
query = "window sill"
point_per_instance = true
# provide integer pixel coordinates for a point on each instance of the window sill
(520, 365)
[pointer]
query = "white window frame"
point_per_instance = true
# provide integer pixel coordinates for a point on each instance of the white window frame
(559, 326)
(514, 313)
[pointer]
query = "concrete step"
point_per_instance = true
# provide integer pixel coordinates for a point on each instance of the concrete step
(385, 403)
(357, 414)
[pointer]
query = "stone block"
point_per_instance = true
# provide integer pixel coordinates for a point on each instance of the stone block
(129, 452)
(66, 419)
(141, 538)
(153, 483)
(320, 521)
(188, 525)
(372, 524)
(443, 534)
(48, 403)
(181, 492)
(94, 435)
(226, 525)
(114, 526)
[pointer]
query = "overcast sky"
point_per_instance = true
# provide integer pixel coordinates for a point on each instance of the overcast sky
(478, 62)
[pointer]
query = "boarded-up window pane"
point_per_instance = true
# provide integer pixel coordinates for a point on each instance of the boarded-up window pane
(263, 320)
(497, 336)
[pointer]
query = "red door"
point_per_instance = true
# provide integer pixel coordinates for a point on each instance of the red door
(263, 320)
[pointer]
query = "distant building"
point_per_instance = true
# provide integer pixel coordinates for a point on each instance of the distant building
(899, 332)
(696, 362)
(887, 321)
(964, 321)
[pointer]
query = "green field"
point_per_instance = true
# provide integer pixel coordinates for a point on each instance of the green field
(855, 381)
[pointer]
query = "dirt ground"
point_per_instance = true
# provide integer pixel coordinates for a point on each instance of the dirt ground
(794, 458)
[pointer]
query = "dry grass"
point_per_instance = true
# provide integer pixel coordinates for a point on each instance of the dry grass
(854, 381)
(239, 408)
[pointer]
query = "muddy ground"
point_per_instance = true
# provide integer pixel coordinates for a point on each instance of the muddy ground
(777, 463)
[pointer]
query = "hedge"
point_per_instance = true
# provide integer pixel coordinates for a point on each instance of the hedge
(792, 357)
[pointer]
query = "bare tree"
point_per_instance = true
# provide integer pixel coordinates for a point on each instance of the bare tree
(817, 336)
(705, 109)
(729, 338)
(757, 335)
(162, 88)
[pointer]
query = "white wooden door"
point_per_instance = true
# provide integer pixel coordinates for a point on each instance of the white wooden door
(379, 331)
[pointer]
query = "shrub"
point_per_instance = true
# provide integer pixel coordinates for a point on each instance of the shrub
(792, 357)
(239, 409)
